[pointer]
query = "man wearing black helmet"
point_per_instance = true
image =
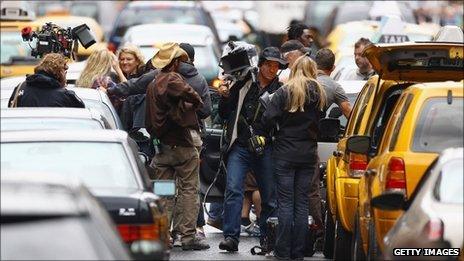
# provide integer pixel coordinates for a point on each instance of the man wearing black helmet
(247, 144)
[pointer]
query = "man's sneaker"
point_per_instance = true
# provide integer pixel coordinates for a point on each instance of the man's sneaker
(196, 244)
(200, 234)
(229, 244)
(253, 230)
(177, 241)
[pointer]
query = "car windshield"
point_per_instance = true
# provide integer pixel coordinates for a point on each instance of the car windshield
(449, 188)
(103, 109)
(9, 124)
(96, 164)
(147, 15)
(13, 46)
(440, 125)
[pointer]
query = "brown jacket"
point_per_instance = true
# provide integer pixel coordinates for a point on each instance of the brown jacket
(171, 106)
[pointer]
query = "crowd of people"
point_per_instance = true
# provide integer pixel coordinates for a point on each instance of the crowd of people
(270, 151)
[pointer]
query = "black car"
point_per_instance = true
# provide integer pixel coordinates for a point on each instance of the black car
(146, 12)
(107, 162)
(48, 217)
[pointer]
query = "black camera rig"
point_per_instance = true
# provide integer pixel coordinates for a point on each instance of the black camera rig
(52, 38)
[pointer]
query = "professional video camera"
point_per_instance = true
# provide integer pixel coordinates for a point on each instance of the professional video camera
(238, 58)
(54, 39)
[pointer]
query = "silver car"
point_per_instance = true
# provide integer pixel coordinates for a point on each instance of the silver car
(434, 212)
(51, 118)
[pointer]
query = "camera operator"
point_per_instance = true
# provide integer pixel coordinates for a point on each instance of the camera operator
(46, 87)
(247, 143)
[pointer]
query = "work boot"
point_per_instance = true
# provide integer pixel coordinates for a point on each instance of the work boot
(196, 244)
(229, 244)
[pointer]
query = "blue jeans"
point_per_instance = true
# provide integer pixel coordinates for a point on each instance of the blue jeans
(239, 162)
(293, 183)
(215, 211)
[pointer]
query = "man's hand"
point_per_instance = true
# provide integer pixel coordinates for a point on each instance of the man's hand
(223, 90)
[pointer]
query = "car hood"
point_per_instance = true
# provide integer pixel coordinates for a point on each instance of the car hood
(421, 62)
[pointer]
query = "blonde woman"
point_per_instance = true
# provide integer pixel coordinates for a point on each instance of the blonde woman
(296, 108)
(131, 61)
(97, 70)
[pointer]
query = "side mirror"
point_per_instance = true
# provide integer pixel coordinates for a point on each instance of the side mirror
(358, 144)
(329, 130)
(335, 112)
(389, 201)
(164, 187)
(143, 157)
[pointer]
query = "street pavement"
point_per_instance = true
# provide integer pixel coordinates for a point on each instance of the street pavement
(214, 236)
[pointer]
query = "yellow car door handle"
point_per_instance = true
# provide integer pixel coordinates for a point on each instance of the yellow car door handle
(337, 153)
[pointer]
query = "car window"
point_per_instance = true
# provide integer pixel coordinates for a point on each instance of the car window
(102, 109)
(13, 46)
(362, 108)
(440, 125)
(351, 98)
(97, 164)
(8, 124)
(399, 122)
(382, 118)
(356, 107)
(135, 16)
(449, 187)
(64, 236)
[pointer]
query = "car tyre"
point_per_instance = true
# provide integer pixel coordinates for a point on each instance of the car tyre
(342, 242)
(357, 251)
(328, 234)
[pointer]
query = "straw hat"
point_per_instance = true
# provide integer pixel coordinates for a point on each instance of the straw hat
(166, 53)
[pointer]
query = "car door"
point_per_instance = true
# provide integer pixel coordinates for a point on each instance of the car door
(210, 156)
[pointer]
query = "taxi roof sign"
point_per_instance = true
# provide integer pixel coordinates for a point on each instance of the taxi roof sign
(450, 34)
(391, 30)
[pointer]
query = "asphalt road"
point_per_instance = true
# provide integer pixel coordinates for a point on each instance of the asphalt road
(214, 236)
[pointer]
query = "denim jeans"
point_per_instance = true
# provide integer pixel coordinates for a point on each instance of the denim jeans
(293, 183)
(239, 162)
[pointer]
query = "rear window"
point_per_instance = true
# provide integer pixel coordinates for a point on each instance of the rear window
(449, 188)
(440, 125)
(148, 15)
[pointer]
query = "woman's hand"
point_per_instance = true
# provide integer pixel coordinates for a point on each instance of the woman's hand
(117, 68)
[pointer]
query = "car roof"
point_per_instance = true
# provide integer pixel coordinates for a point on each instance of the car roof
(350, 86)
(160, 4)
(86, 93)
(46, 112)
(451, 154)
(148, 34)
(65, 135)
(52, 194)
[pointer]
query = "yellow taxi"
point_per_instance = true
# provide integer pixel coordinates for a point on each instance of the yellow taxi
(16, 59)
(422, 120)
(73, 21)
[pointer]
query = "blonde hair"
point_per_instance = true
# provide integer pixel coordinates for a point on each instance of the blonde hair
(99, 64)
(303, 72)
(135, 51)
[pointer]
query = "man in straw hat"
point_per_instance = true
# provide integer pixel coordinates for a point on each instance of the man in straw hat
(170, 117)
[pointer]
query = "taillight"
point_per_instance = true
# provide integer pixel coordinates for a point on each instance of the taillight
(112, 47)
(434, 229)
(357, 165)
(396, 175)
(130, 233)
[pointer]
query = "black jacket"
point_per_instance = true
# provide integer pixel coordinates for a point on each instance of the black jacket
(42, 90)
(250, 107)
(296, 139)
(134, 86)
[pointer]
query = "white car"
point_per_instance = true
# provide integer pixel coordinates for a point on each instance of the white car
(434, 212)
(201, 37)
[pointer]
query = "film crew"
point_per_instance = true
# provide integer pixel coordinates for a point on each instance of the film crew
(171, 106)
(46, 87)
(291, 50)
(247, 144)
(296, 108)
(364, 70)
(301, 33)
(198, 82)
(131, 61)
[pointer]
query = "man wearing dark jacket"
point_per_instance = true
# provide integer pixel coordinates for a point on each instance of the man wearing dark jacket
(241, 108)
(45, 88)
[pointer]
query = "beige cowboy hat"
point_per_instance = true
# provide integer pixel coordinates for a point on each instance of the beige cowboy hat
(167, 52)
